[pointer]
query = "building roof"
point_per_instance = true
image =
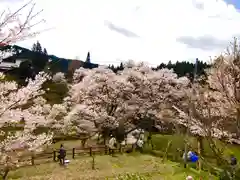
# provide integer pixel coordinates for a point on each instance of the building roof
(2, 44)
(64, 64)
(75, 64)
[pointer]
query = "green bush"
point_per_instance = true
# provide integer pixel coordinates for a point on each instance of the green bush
(55, 92)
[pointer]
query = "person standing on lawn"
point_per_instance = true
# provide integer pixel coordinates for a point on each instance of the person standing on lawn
(62, 155)
(112, 145)
(140, 143)
(233, 162)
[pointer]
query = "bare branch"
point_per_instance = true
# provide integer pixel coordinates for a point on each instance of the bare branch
(12, 29)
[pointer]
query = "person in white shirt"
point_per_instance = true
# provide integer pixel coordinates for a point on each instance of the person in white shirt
(140, 143)
(112, 145)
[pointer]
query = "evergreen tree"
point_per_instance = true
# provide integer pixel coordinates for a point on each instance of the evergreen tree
(34, 47)
(37, 47)
(121, 67)
(45, 51)
(39, 57)
(88, 59)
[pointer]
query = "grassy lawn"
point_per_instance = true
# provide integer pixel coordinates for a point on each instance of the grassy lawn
(107, 167)
(145, 165)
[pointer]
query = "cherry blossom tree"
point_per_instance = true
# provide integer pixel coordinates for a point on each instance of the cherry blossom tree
(205, 115)
(13, 99)
(14, 144)
(215, 105)
(53, 114)
(59, 77)
(119, 101)
(210, 110)
(224, 78)
(206, 112)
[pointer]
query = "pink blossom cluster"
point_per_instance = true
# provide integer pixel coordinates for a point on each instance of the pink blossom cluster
(100, 98)
(26, 120)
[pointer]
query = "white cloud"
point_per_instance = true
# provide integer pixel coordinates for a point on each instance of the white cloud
(80, 26)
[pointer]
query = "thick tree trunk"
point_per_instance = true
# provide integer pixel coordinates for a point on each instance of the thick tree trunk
(185, 153)
(93, 162)
(238, 122)
(200, 148)
(149, 140)
(104, 140)
(4, 176)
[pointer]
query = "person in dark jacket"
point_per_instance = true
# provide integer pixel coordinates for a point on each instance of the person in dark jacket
(233, 160)
(62, 155)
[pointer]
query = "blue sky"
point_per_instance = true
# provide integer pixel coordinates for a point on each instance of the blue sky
(236, 3)
(153, 31)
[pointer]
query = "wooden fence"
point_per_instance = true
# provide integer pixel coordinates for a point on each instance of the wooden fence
(46, 157)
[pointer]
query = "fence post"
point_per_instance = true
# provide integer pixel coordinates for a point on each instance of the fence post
(133, 147)
(54, 155)
(73, 153)
(90, 151)
(93, 161)
(106, 149)
(120, 148)
(32, 159)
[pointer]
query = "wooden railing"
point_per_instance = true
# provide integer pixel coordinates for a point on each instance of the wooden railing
(74, 152)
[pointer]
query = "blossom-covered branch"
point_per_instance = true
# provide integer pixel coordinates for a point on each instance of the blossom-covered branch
(12, 26)
(23, 139)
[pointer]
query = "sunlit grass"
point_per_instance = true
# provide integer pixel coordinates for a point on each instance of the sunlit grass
(107, 167)
(126, 166)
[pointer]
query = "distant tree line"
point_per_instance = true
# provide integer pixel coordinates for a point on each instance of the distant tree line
(182, 68)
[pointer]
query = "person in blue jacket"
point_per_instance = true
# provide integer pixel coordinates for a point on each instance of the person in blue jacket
(191, 156)
(194, 157)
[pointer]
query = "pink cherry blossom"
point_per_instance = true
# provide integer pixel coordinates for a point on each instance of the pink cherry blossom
(110, 99)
